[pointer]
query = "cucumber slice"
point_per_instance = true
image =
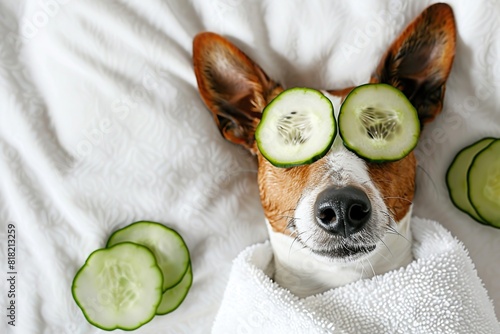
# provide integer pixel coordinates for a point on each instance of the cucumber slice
(456, 177)
(119, 287)
(378, 123)
(166, 244)
(174, 296)
(297, 127)
(484, 183)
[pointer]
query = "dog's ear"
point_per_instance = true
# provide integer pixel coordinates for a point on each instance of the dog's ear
(419, 61)
(232, 86)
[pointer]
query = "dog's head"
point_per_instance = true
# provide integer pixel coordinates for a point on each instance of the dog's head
(340, 206)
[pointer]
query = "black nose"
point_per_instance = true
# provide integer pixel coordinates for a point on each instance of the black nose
(342, 211)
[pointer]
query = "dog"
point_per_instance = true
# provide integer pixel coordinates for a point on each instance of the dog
(365, 207)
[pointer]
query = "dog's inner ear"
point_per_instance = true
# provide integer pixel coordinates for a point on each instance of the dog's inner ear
(420, 59)
(233, 87)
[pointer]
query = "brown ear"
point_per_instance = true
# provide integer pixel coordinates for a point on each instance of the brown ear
(232, 86)
(419, 61)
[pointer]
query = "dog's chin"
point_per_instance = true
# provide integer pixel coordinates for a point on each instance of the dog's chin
(345, 253)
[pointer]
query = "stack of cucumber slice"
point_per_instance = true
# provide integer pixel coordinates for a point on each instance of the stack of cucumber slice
(473, 181)
(145, 270)
(376, 121)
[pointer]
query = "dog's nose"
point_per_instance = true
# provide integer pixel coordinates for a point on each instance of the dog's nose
(342, 211)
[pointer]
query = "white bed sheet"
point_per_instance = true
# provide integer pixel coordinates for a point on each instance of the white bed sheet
(101, 125)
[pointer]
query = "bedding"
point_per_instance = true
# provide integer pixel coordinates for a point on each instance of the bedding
(102, 125)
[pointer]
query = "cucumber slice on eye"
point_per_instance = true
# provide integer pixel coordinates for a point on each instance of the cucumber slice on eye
(297, 127)
(378, 123)
(456, 177)
(119, 287)
(166, 244)
(484, 183)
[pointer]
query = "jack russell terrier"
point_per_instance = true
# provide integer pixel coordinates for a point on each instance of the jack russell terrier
(340, 218)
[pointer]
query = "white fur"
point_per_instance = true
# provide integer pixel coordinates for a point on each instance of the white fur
(344, 169)
(305, 274)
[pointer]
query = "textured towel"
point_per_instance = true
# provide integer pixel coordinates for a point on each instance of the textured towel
(439, 292)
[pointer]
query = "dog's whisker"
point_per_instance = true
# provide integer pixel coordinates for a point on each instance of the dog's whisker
(386, 213)
(398, 197)
(391, 228)
(291, 245)
(429, 176)
(365, 182)
(393, 214)
(290, 224)
(382, 181)
(362, 270)
(390, 252)
(294, 232)
(375, 277)
(386, 258)
(297, 238)
(389, 216)
(305, 242)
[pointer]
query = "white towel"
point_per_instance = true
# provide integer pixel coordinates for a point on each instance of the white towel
(439, 292)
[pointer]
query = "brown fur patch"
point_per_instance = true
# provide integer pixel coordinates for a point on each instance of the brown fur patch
(282, 188)
(396, 182)
(341, 93)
